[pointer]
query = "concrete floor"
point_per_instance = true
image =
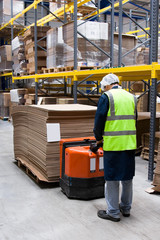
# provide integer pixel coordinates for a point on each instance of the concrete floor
(28, 212)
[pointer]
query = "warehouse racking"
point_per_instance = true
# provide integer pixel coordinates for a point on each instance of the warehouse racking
(148, 73)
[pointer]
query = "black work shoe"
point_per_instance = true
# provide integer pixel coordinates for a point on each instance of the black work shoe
(125, 214)
(104, 215)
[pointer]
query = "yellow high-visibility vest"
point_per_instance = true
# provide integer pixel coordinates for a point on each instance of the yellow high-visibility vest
(120, 126)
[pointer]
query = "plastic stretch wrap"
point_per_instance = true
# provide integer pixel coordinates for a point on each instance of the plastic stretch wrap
(88, 55)
(55, 48)
(143, 54)
(129, 59)
(5, 10)
(19, 59)
(60, 47)
(5, 58)
(53, 6)
(4, 104)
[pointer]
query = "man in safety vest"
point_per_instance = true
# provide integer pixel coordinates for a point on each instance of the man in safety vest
(115, 126)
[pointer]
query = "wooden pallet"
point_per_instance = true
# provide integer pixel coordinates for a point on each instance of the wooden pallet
(5, 71)
(67, 69)
(34, 174)
(145, 154)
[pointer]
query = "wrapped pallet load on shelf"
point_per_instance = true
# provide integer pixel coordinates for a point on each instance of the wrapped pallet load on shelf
(5, 58)
(88, 55)
(128, 43)
(5, 11)
(18, 56)
(60, 45)
(143, 54)
(55, 48)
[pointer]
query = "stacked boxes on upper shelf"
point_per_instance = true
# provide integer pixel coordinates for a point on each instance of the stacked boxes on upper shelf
(18, 56)
(30, 48)
(60, 45)
(5, 11)
(4, 105)
(55, 48)
(88, 55)
(5, 58)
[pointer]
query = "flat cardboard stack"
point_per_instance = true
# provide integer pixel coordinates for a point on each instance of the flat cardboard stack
(128, 42)
(30, 99)
(142, 56)
(88, 55)
(38, 129)
(145, 145)
(85, 101)
(5, 58)
(4, 105)
(30, 48)
(142, 104)
(156, 176)
(143, 126)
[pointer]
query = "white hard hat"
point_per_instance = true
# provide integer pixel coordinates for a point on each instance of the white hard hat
(108, 80)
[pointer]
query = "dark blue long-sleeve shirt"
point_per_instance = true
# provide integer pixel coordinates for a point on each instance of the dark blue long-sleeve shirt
(100, 117)
(118, 165)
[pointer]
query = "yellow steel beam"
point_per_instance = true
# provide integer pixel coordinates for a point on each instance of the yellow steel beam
(138, 31)
(78, 5)
(20, 14)
(143, 35)
(144, 70)
(24, 77)
(68, 85)
(129, 73)
(6, 74)
(105, 9)
(59, 12)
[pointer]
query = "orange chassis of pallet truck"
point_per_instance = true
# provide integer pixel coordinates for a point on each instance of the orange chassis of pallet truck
(81, 170)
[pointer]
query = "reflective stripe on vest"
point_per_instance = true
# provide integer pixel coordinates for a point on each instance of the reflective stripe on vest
(120, 130)
(112, 110)
(120, 133)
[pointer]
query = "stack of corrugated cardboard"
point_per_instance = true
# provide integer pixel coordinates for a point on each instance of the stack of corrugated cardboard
(137, 88)
(30, 99)
(55, 48)
(88, 55)
(143, 126)
(4, 105)
(5, 58)
(142, 56)
(85, 101)
(38, 129)
(30, 48)
(145, 145)
(156, 177)
(5, 11)
(19, 59)
(142, 104)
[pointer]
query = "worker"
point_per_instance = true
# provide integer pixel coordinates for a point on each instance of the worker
(115, 127)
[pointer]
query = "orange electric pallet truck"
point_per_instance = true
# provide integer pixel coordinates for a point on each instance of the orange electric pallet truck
(81, 170)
